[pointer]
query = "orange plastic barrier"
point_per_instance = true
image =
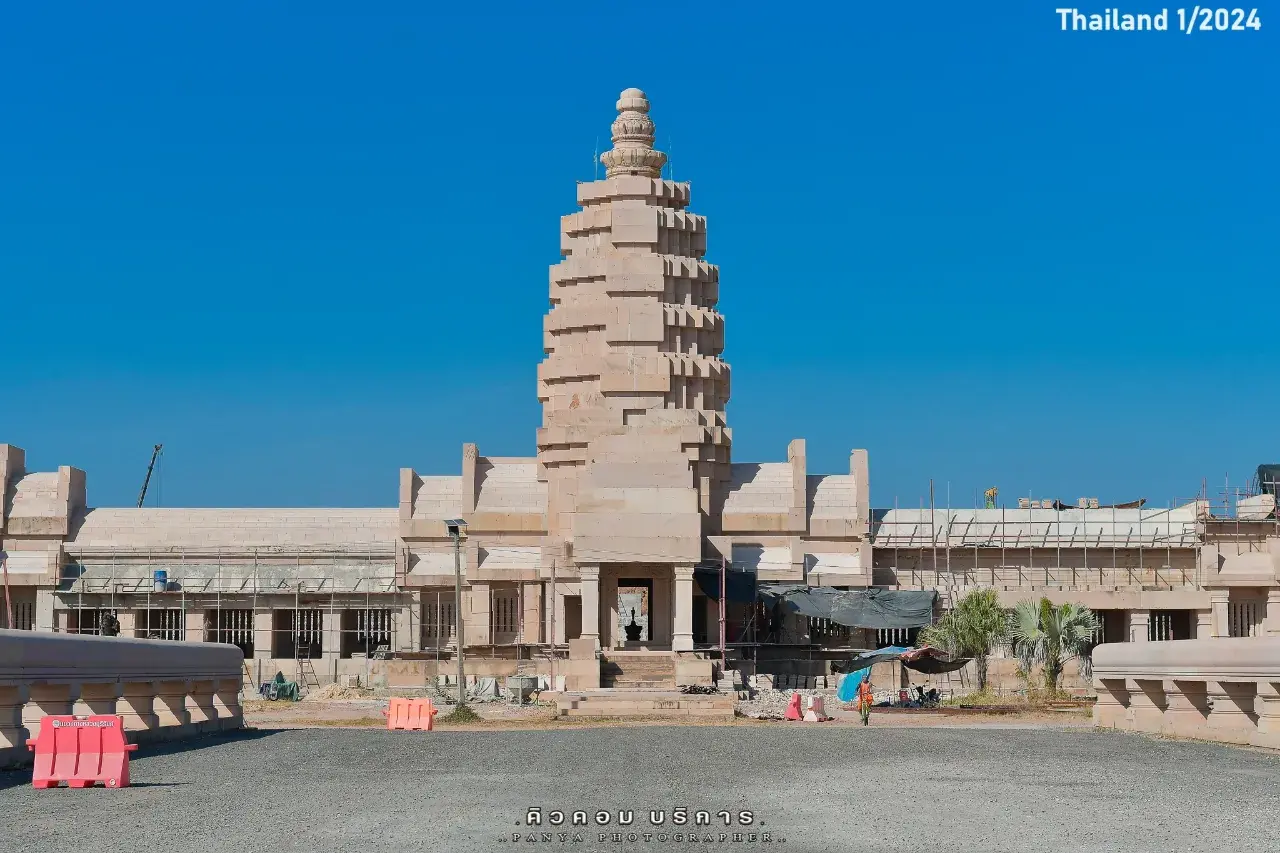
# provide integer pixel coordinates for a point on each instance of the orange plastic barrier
(81, 751)
(793, 708)
(410, 715)
(817, 712)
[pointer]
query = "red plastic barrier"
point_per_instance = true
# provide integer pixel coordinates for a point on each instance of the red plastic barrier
(793, 708)
(410, 715)
(81, 751)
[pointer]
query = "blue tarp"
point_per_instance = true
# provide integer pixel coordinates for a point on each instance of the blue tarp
(849, 684)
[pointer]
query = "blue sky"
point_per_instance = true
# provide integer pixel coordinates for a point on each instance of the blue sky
(304, 246)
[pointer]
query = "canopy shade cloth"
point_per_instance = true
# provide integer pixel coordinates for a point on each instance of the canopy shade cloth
(855, 608)
(925, 659)
(739, 586)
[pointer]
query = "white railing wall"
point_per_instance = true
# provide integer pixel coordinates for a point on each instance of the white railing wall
(163, 690)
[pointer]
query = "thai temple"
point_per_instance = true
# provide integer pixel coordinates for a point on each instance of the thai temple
(606, 556)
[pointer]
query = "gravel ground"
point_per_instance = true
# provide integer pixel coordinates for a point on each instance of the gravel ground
(821, 788)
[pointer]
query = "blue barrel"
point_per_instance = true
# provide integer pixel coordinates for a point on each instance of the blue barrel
(161, 580)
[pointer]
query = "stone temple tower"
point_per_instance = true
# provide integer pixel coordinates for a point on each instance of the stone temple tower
(633, 444)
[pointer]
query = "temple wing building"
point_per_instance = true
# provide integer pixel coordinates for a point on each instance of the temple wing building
(616, 539)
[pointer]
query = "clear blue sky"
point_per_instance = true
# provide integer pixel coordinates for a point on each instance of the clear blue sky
(305, 246)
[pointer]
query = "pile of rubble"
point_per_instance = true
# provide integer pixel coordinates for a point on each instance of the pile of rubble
(772, 704)
(766, 696)
(335, 691)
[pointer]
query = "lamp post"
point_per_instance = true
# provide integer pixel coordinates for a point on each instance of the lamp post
(458, 530)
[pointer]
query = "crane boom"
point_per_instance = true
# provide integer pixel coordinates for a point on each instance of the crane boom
(155, 455)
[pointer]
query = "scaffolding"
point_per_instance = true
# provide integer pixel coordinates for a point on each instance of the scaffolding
(303, 604)
(1036, 546)
(1224, 524)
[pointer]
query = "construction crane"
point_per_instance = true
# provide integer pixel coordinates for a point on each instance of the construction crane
(155, 456)
(990, 495)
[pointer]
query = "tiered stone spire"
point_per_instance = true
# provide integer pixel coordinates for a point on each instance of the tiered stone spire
(633, 387)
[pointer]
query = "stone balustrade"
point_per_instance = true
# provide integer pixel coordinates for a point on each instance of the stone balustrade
(1225, 690)
(163, 690)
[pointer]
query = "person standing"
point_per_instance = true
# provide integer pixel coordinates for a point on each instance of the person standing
(109, 625)
(864, 699)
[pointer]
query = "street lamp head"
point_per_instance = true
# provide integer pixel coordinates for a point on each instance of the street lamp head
(456, 526)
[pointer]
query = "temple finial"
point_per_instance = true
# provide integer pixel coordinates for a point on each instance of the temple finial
(633, 152)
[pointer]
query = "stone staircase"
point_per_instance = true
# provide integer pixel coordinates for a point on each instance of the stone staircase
(645, 703)
(638, 670)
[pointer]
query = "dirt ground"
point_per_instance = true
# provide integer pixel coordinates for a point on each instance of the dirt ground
(366, 712)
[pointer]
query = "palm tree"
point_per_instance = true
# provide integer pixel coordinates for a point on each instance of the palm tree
(1051, 636)
(973, 629)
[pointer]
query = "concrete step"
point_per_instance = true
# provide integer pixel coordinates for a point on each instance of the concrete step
(639, 669)
(639, 664)
(632, 675)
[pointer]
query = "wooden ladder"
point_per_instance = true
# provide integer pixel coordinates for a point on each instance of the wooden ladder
(306, 677)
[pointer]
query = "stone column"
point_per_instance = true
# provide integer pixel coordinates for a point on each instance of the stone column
(1232, 706)
(331, 642)
(1147, 703)
(137, 705)
(97, 700)
(477, 627)
(1218, 599)
(557, 605)
(45, 700)
(1204, 624)
(45, 600)
(1272, 626)
(590, 587)
(262, 639)
(1187, 712)
(128, 622)
(407, 630)
(532, 615)
(12, 733)
(610, 632)
(171, 704)
(226, 704)
(1112, 707)
(1268, 731)
(200, 710)
(682, 626)
(668, 605)
(193, 630)
(1139, 626)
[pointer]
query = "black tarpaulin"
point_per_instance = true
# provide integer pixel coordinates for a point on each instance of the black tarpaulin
(739, 586)
(935, 666)
(855, 608)
(863, 660)
(1269, 479)
(925, 659)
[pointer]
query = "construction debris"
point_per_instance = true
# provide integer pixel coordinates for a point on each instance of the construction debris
(334, 691)
(772, 704)
(699, 689)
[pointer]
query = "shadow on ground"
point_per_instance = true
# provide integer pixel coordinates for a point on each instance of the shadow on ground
(15, 777)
